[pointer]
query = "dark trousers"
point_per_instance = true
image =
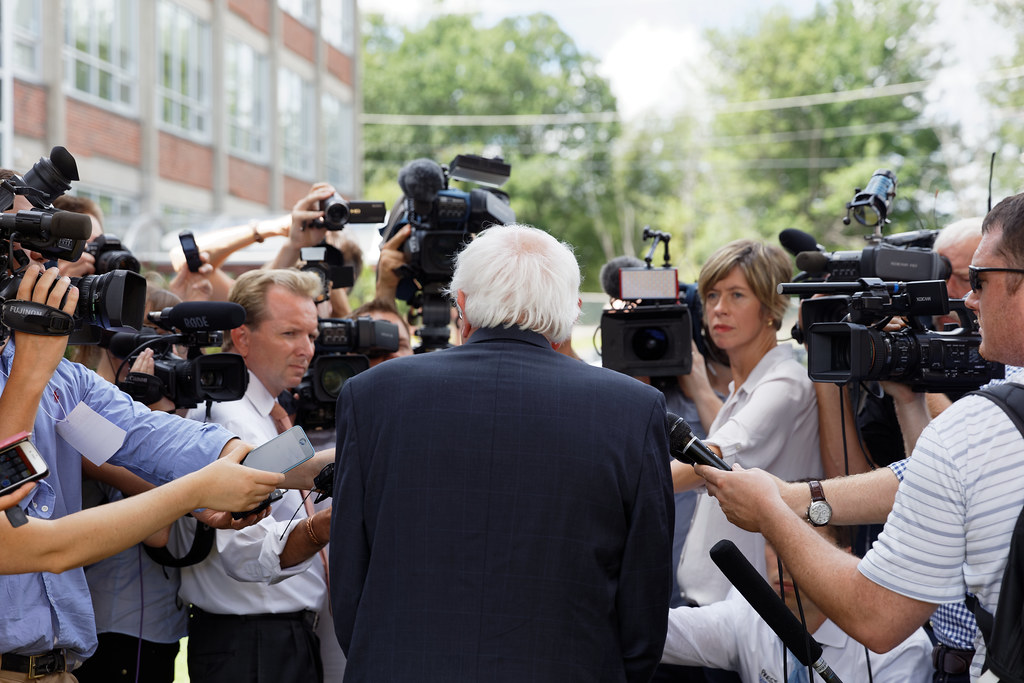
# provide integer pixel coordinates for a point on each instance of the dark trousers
(268, 648)
(116, 657)
(673, 673)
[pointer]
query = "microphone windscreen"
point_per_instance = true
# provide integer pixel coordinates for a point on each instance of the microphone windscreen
(679, 433)
(765, 602)
(794, 241)
(64, 162)
(421, 180)
(812, 261)
(71, 225)
(201, 316)
(610, 274)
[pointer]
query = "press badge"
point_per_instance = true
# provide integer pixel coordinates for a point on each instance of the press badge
(91, 434)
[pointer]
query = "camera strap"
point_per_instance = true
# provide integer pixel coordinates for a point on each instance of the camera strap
(36, 318)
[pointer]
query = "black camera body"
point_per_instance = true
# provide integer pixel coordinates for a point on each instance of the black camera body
(111, 255)
(339, 212)
(857, 348)
(197, 378)
(342, 350)
(651, 335)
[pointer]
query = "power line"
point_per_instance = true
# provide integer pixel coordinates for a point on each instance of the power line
(576, 118)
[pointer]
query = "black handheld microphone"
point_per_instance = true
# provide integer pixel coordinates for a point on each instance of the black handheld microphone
(770, 606)
(609, 277)
(684, 445)
(200, 316)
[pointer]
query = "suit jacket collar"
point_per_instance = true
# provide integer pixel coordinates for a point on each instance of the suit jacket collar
(484, 334)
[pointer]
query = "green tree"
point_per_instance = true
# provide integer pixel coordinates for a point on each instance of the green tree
(788, 160)
(522, 65)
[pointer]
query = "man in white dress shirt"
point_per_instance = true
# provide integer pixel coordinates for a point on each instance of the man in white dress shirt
(730, 635)
(256, 598)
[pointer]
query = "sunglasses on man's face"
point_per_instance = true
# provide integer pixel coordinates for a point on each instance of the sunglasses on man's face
(973, 273)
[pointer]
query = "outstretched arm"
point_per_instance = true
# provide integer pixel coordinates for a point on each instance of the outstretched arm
(871, 614)
(56, 545)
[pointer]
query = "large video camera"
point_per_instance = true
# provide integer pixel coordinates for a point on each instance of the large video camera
(113, 300)
(185, 381)
(443, 220)
(342, 351)
(901, 257)
(651, 334)
(858, 348)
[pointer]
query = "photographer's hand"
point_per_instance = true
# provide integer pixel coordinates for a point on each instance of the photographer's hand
(36, 357)
(196, 286)
(391, 259)
(85, 265)
(300, 233)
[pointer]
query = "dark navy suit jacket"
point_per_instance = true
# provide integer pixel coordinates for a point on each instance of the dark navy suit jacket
(501, 513)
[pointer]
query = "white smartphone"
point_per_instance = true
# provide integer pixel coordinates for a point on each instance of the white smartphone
(282, 453)
(20, 463)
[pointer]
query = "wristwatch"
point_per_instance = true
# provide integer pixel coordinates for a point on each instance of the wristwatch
(819, 512)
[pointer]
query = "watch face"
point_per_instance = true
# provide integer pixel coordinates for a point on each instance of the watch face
(819, 513)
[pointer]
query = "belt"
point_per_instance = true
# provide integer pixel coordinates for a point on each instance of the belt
(36, 666)
(951, 661)
(309, 617)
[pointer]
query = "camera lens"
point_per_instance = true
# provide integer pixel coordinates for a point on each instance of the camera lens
(650, 343)
(117, 260)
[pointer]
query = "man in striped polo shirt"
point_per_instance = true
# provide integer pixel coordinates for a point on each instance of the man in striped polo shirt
(949, 530)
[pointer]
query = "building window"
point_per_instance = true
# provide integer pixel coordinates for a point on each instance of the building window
(246, 76)
(303, 10)
(295, 117)
(119, 211)
(25, 31)
(183, 63)
(339, 143)
(100, 49)
(338, 26)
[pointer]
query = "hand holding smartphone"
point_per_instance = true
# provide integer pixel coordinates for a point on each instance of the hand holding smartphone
(280, 454)
(191, 250)
(20, 463)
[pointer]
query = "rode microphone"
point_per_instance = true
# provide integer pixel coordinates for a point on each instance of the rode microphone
(200, 316)
(610, 274)
(797, 241)
(684, 446)
(770, 606)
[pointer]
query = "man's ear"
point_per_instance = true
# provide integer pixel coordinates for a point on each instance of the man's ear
(240, 340)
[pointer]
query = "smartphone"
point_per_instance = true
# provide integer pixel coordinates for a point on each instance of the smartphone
(20, 463)
(282, 453)
(191, 250)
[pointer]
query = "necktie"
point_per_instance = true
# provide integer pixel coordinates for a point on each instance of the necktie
(280, 417)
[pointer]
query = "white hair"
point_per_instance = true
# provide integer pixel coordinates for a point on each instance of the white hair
(519, 275)
(958, 231)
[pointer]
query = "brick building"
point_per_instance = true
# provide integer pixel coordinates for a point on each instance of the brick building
(183, 113)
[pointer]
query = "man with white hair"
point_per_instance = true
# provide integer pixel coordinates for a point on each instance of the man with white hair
(502, 512)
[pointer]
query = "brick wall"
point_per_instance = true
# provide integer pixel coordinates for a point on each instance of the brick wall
(186, 161)
(256, 12)
(294, 190)
(29, 110)
(95, 132)
(339, 64)
(249, 181)
(297, 37)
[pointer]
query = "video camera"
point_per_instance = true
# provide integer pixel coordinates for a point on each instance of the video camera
(652, 333)
(328, 263)
(339, 212)
(185, 381)
(111, 255)
(901, 257)
(443, 220)
(858, 348)
(342, 351)
(112, 300)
